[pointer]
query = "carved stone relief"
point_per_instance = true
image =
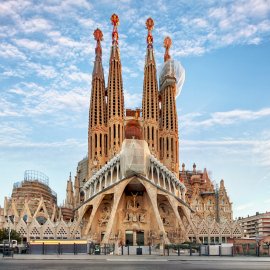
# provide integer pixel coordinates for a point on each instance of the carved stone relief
(165, 214)
(135, 212)
(104, 214)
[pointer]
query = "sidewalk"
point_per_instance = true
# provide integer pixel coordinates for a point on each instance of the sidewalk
(134, 258)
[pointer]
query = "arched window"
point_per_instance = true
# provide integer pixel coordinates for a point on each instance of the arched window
(41, 220)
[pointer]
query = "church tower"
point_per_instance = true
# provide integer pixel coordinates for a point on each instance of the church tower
(115, 95)
(97, 131)
(168, 122)
(69, 202)
(150, 108)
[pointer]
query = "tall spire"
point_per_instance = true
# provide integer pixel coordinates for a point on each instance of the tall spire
(69, 202)
(150, 108)
(115, 94)
(169, 122)
(97, 131)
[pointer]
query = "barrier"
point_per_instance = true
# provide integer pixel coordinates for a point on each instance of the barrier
(168, 250)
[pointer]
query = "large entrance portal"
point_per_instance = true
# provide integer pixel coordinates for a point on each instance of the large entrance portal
(129, 238)
(140, 238)
(134, 238)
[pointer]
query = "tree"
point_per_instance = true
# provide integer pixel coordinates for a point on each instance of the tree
(13, 235)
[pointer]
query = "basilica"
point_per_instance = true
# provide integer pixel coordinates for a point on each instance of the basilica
(131, 188)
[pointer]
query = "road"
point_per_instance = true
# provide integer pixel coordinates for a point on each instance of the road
(130, 265)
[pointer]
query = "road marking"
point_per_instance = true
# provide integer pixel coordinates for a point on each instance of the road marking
(137, 260)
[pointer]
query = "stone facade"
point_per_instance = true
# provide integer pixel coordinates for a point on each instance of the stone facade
(129, 190)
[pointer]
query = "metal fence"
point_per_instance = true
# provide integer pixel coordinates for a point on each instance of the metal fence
(166, 250)
(58, 248)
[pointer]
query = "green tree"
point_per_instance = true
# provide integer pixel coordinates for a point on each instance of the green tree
(13, 235)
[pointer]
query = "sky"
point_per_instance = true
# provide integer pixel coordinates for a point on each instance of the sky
(46, 61)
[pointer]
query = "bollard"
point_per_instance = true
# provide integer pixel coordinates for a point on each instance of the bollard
(178, 250)
(128, 249)
(190, 250)
(122, 250)
(43, 248)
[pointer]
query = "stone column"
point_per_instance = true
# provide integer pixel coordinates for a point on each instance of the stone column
(117, 171)
(134, 238)
(179, 192)
(164, 184)
(169, 181)
(95, 187)
(158, 177)
(106, 175)
(174, 188)
(111, 175)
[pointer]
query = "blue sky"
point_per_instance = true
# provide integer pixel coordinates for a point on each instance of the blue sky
(46, 60)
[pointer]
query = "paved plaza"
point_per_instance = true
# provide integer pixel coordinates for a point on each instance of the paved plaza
(131, 262)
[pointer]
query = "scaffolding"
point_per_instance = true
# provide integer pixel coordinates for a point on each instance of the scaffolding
(31, 175)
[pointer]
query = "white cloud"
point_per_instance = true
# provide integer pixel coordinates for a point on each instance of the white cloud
(81, 77)
(87, 23)
(43, 71)
(253, 8)
(244, 206)
(132, 100)
(223, 118)
(18, 135)
(7, 108)
(30, 44)
(213, 143)
(12, 73)
(9, 51)
(33, 100)
(36, 25)
(30, 144)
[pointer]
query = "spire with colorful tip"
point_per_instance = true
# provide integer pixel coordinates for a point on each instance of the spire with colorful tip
(150, 105)
(150, 26)
(115, 23)
(98, 36)
(97, 129)
(115, 100)
(169, 140)
(167, 44)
